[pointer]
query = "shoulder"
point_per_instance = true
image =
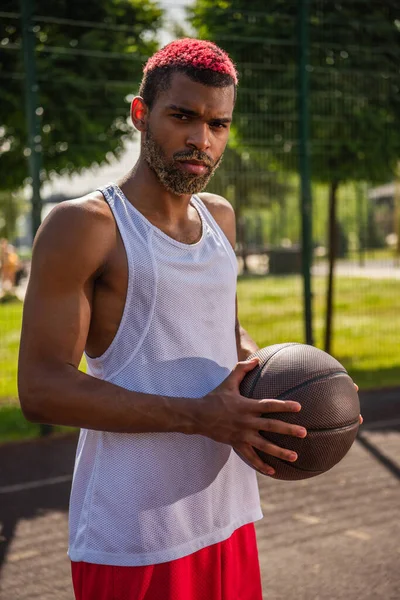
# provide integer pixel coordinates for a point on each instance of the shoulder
(89, 214)
(223, 213)
(88, 211)
(81, 230)
(217, 205)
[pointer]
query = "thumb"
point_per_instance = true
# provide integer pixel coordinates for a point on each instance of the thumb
(244, 367)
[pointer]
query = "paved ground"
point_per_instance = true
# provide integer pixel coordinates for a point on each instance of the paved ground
(373, 269)
(333, 537)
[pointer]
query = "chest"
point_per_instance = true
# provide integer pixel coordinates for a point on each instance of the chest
(179, 283)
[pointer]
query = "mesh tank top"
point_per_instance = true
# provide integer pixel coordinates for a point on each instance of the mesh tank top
(147, 498)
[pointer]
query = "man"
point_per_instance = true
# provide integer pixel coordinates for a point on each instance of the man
(142, 277)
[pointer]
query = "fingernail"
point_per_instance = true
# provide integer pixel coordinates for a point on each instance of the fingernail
(270, 471)
(302, 432)
(292, 456)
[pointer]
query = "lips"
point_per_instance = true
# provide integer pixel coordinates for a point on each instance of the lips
(193, 166)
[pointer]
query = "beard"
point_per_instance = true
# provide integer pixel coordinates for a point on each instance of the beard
(169, 173)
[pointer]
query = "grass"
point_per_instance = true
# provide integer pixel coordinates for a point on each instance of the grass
(10, 327)
(366, 321)
(366, 333)
(13, 426)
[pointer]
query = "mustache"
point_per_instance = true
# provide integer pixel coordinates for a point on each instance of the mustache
(194, 155)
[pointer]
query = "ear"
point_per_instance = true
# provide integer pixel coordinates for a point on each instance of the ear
(139, 112)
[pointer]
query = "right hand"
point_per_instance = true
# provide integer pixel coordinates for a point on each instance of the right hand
(230, 418)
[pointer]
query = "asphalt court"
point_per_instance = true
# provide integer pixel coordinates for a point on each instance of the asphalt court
(336, 536)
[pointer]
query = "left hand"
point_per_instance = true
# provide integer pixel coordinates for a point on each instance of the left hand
(360, 417)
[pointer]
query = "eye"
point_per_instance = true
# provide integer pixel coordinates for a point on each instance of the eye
(181, 117)
(217, 125)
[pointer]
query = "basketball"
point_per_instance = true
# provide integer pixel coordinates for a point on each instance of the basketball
(329, 401)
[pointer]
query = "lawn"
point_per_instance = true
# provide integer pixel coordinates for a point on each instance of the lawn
(366, 321)
(366, 334)
(10, 326)
(13, 426)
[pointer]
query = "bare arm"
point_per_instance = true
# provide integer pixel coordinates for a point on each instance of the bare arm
(69, 253)
(244, 342)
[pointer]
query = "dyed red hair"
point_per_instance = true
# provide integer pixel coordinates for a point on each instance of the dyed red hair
(199, 54)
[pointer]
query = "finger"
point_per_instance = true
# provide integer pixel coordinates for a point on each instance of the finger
(361, 420)
(250, 455)
(356, 386)
(276, 406)
(244, 367)
(275, 426)
(269, 448)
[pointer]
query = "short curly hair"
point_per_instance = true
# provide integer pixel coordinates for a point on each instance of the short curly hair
(201, 60)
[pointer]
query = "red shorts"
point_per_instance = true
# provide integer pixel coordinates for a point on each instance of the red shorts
(228, 570)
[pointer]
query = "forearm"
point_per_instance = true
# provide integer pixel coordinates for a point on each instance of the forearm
(70, 397)
(245, 343)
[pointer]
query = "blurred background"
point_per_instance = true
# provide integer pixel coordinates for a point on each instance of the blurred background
(313, 171)
(312, 167)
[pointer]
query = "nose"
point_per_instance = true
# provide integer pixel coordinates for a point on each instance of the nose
(199, 137)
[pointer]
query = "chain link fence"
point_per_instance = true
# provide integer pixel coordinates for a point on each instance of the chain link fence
(345, 101)
(351, 118)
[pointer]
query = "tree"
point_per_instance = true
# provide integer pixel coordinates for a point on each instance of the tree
(89, 57)
(255, 188)
(354, 79)
(10, 206)
(265, 110)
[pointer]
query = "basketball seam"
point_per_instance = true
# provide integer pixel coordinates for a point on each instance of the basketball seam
(312, 380)
(261, 368)
(334, 428)
(341, 427)
(286, 462)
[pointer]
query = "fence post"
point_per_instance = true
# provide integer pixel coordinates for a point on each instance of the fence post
(304, 163)
(361, 223)
(33, 112)
(396, 215)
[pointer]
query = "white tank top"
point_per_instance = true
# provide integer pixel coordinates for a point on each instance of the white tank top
(147, 498)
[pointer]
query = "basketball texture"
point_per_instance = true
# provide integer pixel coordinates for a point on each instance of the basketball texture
(329, 401)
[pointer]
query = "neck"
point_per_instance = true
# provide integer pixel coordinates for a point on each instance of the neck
(143, 189)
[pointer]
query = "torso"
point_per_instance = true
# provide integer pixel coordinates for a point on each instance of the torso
(177, 340)
(110, 286)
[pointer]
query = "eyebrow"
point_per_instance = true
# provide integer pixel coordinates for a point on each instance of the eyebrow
(193, 113)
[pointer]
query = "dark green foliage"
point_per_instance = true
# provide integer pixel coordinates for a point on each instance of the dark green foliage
(10, 207)
(84, 73)
(354, 79)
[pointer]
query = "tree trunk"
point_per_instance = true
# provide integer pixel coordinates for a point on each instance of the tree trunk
(332, 252)
(396, 216)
